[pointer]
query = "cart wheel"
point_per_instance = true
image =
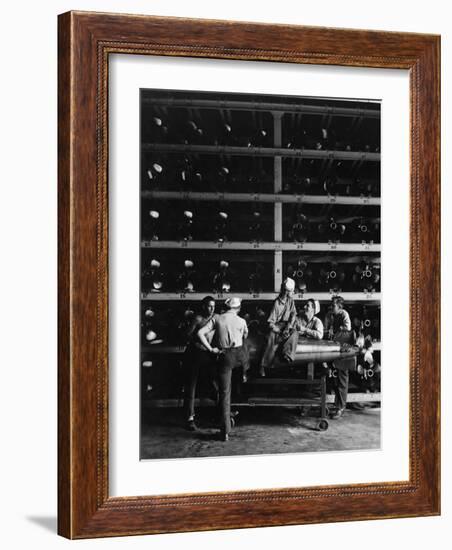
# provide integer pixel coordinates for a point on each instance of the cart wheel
(322, 425)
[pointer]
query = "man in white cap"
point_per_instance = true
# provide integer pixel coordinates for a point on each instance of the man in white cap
(230, 333)
(281, 323)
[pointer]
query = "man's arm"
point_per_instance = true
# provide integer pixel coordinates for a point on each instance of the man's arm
(317, 332)
(346, 324)
(193, 326)
(204, 331)
(245, 330)
(273, 317)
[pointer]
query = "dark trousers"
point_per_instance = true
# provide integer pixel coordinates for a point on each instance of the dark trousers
(287, 346)
(343, 366)
(341, 388)
(197, 361)
(229, 359)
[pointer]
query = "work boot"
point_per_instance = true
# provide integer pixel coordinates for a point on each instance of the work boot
(190, 425)
(338, 414)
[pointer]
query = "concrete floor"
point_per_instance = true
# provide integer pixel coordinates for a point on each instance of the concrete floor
(259, 430)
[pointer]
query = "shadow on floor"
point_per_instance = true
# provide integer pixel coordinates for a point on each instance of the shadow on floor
(49, 523)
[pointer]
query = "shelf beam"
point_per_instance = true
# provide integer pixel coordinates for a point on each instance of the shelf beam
(259, 151)
(261, 197)
(257, 246)
(265, 106)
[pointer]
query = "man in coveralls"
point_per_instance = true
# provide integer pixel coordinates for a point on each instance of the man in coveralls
(281, 323)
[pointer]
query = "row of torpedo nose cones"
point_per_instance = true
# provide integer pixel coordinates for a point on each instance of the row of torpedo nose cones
(185, 276)
(192, 132)
(222, 227)
(185, 176)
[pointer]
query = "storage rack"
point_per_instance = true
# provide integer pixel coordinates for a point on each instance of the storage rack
(277, 152)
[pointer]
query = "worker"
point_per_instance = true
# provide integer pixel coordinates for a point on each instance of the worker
(340, 330)
(230, 331)
(198, 358)
(306, 325)
(281, 325)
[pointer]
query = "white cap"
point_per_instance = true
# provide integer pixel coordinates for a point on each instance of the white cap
(188, 214)
(233, 302)
(154, 214)
(289, 284)
(188, 263)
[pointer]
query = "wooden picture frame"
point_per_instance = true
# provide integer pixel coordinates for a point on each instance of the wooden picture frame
(86, 40)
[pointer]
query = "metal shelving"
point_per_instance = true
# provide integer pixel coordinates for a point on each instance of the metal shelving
(306, 109)
(259, 151)
(275, 246)
(261, 197)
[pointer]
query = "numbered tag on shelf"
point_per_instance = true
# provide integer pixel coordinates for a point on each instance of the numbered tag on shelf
(184, 244)
(256, 197)
(366, 200)
(366, 246)
(331, 199)
(186, 195)
(255, 294)
(300, 246)
(182, 295)
(256, 245)
(219, 296)
(332, 246)
(220, 196)
(299, 198)
(220, 244)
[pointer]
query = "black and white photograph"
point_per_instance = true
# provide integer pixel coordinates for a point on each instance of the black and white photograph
(260, 274)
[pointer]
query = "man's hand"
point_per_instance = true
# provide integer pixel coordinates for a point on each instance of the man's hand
(215, 351)
(276, 329)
